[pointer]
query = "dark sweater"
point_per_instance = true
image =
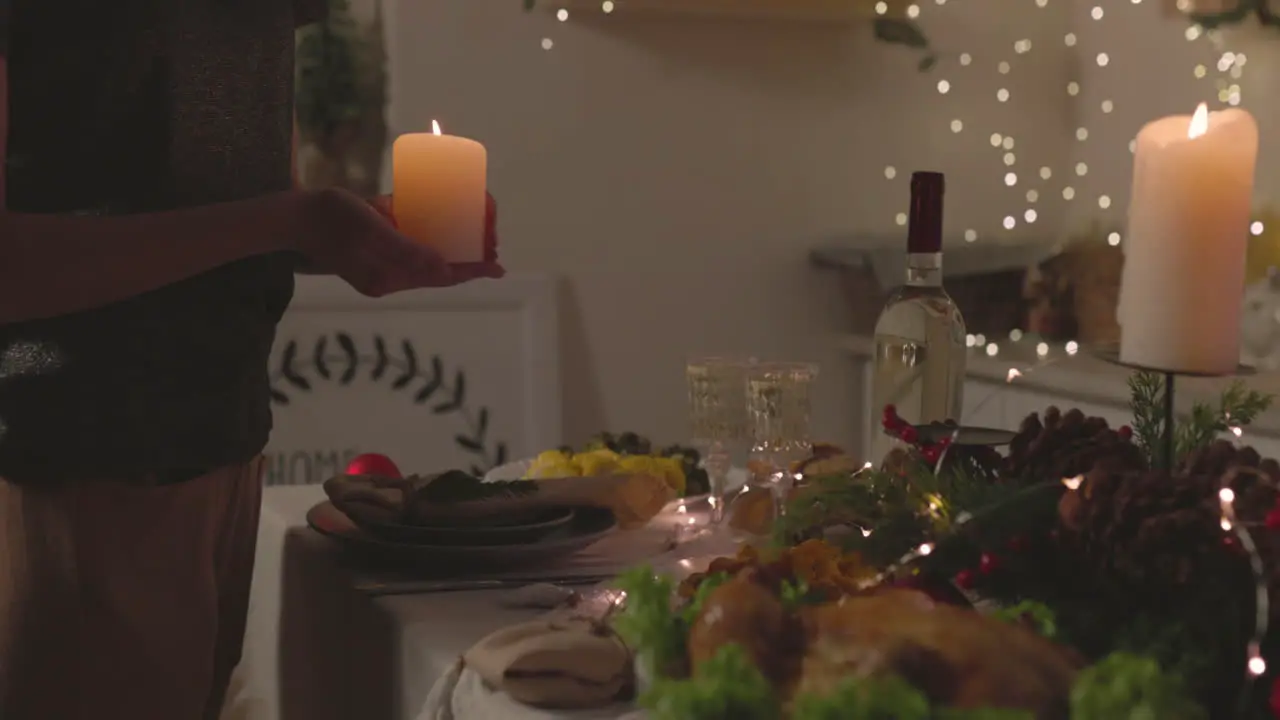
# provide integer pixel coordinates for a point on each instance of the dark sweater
(133, 106)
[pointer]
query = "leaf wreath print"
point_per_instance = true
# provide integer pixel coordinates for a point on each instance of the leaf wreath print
(337, 358)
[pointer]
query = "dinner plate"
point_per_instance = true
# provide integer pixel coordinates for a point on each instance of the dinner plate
(737, 479)
(967, 436)
(588, 526)
(534, 527)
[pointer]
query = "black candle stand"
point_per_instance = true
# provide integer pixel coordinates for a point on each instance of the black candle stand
(1111, 354)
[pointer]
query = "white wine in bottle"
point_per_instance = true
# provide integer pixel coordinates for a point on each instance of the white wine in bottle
(919, 359)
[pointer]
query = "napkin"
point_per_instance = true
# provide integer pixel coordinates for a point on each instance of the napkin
(562, 663)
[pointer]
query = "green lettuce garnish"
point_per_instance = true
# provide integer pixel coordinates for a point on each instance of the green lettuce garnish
(648, 622)
(1123, 686)
(983, 714)
(726, 686)
(699, 600)
(889, 698)
(1038, 614)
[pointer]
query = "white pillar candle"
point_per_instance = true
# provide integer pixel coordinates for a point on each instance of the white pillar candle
(1184, 263)
(439, 190)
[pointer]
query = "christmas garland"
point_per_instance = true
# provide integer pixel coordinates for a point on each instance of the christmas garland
(1161, 579)
(1075, 531)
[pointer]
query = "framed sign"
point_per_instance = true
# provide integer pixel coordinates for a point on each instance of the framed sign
(464, 378)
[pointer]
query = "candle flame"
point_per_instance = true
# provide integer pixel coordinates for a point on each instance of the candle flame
(1199, 122)
(435, 127)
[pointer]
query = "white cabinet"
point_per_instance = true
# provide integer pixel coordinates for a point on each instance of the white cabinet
(1096, 388)
(985, 404)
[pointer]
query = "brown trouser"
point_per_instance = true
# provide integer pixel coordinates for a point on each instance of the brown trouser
(124, 600)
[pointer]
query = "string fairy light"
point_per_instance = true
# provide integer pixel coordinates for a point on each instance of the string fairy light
(1229, 66)
(1240, 532)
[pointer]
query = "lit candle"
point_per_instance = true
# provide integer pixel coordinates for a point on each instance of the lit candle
(439, 192)
(1185, 251)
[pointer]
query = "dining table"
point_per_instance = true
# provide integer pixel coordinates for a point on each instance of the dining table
(328, 638)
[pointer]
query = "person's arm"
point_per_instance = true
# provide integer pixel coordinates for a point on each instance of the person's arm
(53, 265)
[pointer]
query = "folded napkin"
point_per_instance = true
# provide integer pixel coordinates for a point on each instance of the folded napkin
(564, 663)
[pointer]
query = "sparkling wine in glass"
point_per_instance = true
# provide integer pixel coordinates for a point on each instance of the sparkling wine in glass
(717, 418)
(779, 411)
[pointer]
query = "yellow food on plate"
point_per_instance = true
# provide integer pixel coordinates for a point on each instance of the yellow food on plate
(602, 462)
(597, 463)
(668, 469)
(552, 464)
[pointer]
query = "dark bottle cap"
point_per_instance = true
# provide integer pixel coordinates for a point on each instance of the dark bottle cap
(924, 228)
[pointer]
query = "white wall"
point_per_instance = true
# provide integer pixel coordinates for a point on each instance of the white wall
(1150, 74)
(676, 170)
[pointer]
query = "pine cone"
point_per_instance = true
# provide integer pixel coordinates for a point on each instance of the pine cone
(1144, 530)
(1253, 478)
(1066, 445)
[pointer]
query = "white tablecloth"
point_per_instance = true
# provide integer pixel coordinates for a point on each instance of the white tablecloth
(317, 649)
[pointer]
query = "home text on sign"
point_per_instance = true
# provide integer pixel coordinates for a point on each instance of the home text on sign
(305, 467)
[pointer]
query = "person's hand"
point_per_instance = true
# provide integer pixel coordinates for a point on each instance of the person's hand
(348, 237)
(490, 265)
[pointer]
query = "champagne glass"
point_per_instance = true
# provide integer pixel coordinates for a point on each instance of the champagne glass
(779, 410)
(717, 418)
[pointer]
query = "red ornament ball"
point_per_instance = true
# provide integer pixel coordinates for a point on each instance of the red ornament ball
(373, 464)
(988, 563)
(1273, 519)
(965, 579)
(1018, 543)
(909, 435)
(1125, 432)
(1274, 700)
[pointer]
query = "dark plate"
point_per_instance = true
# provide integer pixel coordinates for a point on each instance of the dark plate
(524, 530)
(967, 437)
(588, 526)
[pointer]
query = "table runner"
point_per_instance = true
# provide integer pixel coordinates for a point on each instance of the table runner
(460, 694)
(317, 649)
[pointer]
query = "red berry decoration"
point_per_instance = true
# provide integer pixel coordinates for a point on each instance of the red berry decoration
(909, 434)
(931, 454)
(965, 579)
(1018, 543)
(890, 416)
(1274, 700)
(988, 563)
(1273, 519)
(1125, 432)
(373, 464)
(945, 442)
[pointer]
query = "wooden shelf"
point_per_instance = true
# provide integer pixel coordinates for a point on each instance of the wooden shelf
(812, 10)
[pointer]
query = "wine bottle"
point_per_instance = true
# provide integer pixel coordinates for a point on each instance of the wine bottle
(919, 360)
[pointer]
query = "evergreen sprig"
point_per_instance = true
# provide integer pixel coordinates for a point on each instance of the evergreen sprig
(890, 513)
(1236, 407)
